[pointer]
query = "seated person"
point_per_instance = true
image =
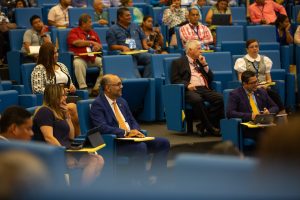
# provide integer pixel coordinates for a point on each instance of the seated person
(137, 13)
(16, 124)
(5, 26)
(125, 36)
(100, 16)
(155, 39)
(193, 71)
(214, 2)
(284, 32)
(221, 7)
(261, 66)
(35, 36)
(199, 6)
(11, 13)
(194, 30)
(110, 112)
(58, 15)
(248, 100)
(297, 35)
(52, 124)
(79, 3)
(174, 16)
(49, 71)
(264, 11)
(84, 39)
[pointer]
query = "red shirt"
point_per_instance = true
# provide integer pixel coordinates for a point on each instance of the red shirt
(79, 34)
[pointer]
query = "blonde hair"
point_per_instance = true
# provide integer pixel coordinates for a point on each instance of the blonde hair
(52, 96)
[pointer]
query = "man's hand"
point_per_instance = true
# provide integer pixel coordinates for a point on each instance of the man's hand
(135, 133)
(103, 22)
(72, 89)
(191, 87)
(253, 116)
(202, 60)
(266, 111)
(125, 49)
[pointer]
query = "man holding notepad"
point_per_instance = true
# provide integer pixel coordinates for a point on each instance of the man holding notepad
(110, 112)
(86, 45)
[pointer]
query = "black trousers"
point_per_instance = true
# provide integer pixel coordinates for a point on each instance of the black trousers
(4, 45)
(211, 116)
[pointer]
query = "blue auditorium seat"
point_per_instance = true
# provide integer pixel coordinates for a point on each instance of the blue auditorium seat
(229, 33)
(238, 15)
(40, 3)
(23, 15)
(74, 14)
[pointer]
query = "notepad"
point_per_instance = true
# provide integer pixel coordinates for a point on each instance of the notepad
(34, 49)
(267, 84)
(85, 54)
(133, 52)
(252, 125)
(89, 150)
(137, 139)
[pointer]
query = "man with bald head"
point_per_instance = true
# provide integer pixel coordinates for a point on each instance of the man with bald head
(110, 112)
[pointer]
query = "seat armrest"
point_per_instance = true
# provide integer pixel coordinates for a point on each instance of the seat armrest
(217, 86)
(83, 94)
(27, 100)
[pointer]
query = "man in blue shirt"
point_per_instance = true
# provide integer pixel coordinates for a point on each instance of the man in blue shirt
(125, 36)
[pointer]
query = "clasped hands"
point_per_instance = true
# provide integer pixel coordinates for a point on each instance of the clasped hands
(134, 134)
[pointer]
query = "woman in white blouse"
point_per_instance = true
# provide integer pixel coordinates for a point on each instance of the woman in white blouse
(49, 71)
(261, 65)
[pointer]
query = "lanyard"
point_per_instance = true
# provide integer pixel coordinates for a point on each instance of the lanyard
(196, 31)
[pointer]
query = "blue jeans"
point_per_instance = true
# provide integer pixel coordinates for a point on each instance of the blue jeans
(145, 60)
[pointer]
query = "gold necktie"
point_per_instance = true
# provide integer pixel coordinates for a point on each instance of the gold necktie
(252, 104)
(121, 122)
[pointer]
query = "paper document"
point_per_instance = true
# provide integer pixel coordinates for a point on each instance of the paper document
(133, 52)
(252, 125)
(34, 49)
(85, 54)
(89, 150)
(137, 139)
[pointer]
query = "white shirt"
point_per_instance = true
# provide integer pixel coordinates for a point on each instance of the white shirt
(111, 103)
(240, 64)
(61, 77)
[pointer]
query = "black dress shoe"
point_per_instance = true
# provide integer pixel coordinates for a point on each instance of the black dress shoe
(214, 132)
(201, 129)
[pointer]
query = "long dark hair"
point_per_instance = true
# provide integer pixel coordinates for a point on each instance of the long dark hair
(46, 58)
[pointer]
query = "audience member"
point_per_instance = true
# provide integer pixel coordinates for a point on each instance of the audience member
(125, 36)
(49, 71)
(79, 3)
(261, 66)
(193, 71)
(214, 2)
(85, 42)
(199, 5)
(297, 35)
(264, 11)
(58, 15)
(100, 15)
(284, 32)
(52, 124)
(5, 26)
(35, 36)
(155, 39)
(18, 4)
(137, 13)
(15, 124)
(221, 7)
(174, 16)
(194, 30)
(248, 100)
(110, 112)
(298, 18)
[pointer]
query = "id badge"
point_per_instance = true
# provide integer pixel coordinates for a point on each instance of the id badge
(89, 50)
(127, 40)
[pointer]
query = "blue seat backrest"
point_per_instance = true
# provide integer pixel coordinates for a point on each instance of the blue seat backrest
(204, 10)
(62, 35)
(83, 108)
(168, 68)
(26, 76)
(157, 15)
(16, 39)
(23, 16)
(101, 31)
(40, 3)
(234, 58)
(265, 33)
(274, 55)
(52, 156)
(45, 10)
(74, 14)
(238, 13)
(8, 98)
(121, 65)
(219, 61)
(229, 33)
(234, 47)
(226, 97)
(158, 65)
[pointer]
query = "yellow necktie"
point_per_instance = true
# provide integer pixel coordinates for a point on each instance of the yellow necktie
(252, 104)
(121, 122)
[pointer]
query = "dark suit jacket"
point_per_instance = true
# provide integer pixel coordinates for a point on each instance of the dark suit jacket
(181, 72)
(238, 105)
(102, 116)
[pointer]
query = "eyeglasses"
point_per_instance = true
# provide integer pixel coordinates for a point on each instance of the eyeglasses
(117, 84)
(253, 46)
(253, 82)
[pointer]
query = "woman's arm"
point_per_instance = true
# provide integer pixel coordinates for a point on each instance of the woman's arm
(268, 77)
(209, 15)
(47, 132)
